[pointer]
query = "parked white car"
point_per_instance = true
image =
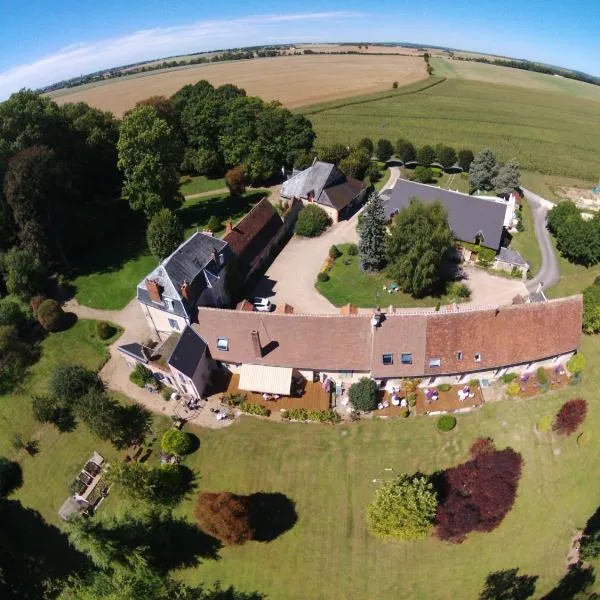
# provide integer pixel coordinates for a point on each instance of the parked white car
(262, 304)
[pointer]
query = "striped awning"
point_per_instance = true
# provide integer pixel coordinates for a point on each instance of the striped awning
(270, 380)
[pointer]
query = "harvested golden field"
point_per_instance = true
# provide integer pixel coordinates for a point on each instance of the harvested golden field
(293, 80)
(363, 49)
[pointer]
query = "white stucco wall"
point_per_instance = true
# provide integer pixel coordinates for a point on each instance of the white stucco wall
(158, 321)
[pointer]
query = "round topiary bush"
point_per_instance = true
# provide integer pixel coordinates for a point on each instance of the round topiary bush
(352, 249)
(214, 224)
(513, 389)
(444, 387)
(545, 424)
(576, 363)
(446, 423)
(50, 315)
(334, 252)
(363, 394)
(177, 442)
(312, 221)
(105, 330)
(323, 277)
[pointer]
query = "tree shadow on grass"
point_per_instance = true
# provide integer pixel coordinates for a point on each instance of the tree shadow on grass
(272, 515)
(33, 553)
(197, 213)
(577, 580)
(508, 585)
(107, 255)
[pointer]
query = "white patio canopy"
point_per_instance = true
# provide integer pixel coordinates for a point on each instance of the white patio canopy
(270, 380)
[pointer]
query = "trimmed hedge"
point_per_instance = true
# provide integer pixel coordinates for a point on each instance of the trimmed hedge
(105, 330)
(322, 277)
(312, 221)
(446, 423)
(318, 416)
(444, 387)
(254, 409)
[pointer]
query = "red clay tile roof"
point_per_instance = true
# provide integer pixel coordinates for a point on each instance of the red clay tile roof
(252, 234)
(505, 336)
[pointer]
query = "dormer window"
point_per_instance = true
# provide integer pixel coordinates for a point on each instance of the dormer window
(223, 344)
(168, 304)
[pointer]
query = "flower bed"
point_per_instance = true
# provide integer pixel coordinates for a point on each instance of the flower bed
(317, 416)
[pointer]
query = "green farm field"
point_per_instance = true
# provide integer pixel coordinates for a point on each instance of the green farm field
(554, 131)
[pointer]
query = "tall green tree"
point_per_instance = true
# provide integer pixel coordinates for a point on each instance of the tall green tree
(164, 234)
(508, 177)
(356, 163)
(483, 171)
(367, 145)
(384, 149)
(334, 153)
(426, 155)
(420, 239)
(24, 274)
(446, 155)
(405, 151)
(371, 232)
(465, 158)
(149, 157)
(403, 508)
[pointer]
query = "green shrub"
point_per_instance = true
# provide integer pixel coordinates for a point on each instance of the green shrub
(50, 315)
(214, 224)
(412, 399)
(513, 389)
(254, 409)
(545, 424)
(323, 277)
(234, 399)
(312, 221)
(508, 377)
(576, 379)
(166, 393)
(319, 416)
(141, 375)
(473, 383)
(363, 394)
(446, 423)
(576, 363)
(177, 442)
(485, 256)
(541, 375)
(352, 249)
(105, 330)
(334, 252)
(444, 387)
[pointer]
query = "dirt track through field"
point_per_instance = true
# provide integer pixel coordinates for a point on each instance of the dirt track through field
(293, 80)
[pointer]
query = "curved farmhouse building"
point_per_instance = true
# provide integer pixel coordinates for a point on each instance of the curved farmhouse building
(448, 346)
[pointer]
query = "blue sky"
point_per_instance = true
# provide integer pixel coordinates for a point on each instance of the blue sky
(43, 41)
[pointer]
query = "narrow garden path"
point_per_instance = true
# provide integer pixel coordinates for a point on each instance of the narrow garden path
(208, 193)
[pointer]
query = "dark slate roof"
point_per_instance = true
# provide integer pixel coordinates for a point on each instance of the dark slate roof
(188, 352)
(314, 179)
(190, 262)
(537, 297)
(134, 350)
(254, 232)
(512, 257)
(340, 195)
(467, 215)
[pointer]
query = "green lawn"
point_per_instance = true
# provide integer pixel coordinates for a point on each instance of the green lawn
(329, 473)
(553, 132)
(196, 212)
(545, 185)
(458, 182)
(348, 284)
(61, 455)
(526, 243)
(199, 184)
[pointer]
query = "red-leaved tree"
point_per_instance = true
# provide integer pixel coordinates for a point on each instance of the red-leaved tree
(479, 493)
(225, 516)
(570, 416)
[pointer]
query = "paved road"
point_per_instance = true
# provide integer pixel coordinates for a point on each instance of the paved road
(291, 278)
(549, 273)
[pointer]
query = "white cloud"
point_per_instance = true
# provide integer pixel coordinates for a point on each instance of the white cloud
(81, 58)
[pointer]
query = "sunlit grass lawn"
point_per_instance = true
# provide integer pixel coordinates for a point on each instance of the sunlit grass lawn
(331, 473)
(525, 242)
(199, 184)
(545, 185)
(348, 284)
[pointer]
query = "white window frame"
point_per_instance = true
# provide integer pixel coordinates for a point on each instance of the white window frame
(169, 304)
(223, 344)
(174, 324)
(389, 356)
(477, 356)
(406, 362)
(459, 355)
(435, 363)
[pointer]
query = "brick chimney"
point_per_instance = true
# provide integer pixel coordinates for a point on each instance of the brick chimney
(228, 227)
(216, 257)
(154, 290)
(185, 290)
(256, 344)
